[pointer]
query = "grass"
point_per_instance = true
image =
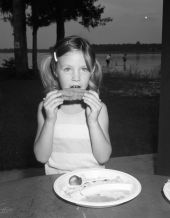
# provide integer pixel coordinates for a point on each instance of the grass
(133, 106)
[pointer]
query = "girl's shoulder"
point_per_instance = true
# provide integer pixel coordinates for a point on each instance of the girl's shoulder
(40, 105)
(104, 107)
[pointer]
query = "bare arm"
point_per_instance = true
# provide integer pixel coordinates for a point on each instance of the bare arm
(45, 131)
(44, 137)
(100, 139)
(98, 123)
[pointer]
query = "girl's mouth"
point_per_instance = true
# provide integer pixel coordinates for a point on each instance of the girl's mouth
(75, 86)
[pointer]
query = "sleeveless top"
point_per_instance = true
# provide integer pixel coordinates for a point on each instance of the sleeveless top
(71, 145)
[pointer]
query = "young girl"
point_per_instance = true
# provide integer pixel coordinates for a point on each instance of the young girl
(72, 135)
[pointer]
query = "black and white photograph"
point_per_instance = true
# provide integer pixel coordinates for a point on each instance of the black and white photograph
(85, 108)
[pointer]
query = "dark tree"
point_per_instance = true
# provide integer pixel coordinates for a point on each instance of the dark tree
(82, 11)
(20, 42)
(14, 11)
(163, 161)
(38, 17)
(86, 12)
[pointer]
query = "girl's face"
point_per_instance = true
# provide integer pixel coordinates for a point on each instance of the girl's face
(72, 70)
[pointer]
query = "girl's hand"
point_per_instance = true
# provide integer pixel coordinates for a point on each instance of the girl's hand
(51, 102)
(94, 106)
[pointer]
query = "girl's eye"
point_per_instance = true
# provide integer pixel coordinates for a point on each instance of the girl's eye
(85, 69)
(67, 69)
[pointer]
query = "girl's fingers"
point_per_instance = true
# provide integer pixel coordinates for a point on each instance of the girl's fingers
(91, 106)
(95, 105)
(57, 102)
(53, 103)
(52, 107)
(51, 95)
(91, 98)
(51, 98)
(94, 93)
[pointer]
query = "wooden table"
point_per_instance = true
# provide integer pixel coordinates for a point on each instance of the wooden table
(34, 197)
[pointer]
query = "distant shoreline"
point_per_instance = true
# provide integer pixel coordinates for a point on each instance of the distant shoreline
(97, 52)
(110, 48)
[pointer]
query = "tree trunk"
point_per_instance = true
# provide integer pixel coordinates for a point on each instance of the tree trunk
(20, 42)
(60, 29)
(34, 36)
(34, 50)
(163, 160)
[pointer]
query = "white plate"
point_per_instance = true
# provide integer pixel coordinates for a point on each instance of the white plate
(166, 190)
(100, 188)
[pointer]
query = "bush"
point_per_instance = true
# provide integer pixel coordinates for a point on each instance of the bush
(9, 63)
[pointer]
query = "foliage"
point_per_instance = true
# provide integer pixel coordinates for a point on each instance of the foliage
(83, 11)
(86, 12)
(9, 63)
(91, 14)
(6, 10)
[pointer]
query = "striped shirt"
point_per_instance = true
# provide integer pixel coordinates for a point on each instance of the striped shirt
(71, 145)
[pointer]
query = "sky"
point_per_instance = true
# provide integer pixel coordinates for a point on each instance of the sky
(133, 20)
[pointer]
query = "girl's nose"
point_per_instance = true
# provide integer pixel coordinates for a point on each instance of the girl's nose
(76, 76)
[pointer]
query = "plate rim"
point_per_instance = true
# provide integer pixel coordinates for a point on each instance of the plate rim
(165, 190)
(98, 204)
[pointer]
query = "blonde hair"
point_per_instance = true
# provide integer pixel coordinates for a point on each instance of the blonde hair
(48, 67)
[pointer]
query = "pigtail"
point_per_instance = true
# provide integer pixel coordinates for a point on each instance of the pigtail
(48, 77)
(98, 74)
(96, 77)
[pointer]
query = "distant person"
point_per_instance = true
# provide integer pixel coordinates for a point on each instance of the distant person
(72, 130)
(108, 59)
(124, 58)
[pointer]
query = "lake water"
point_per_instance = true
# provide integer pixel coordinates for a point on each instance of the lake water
(136, 62)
